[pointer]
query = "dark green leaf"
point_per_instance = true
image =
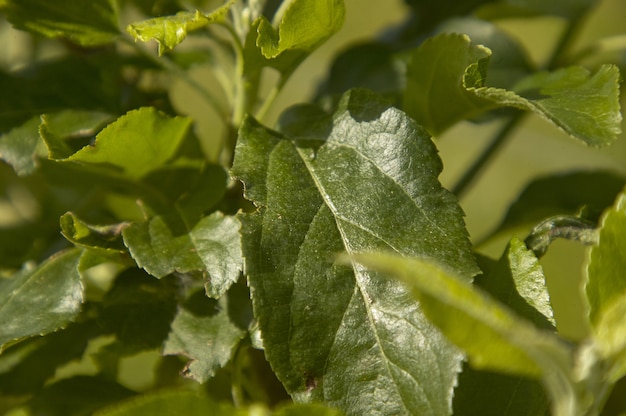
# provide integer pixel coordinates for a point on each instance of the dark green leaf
(40, 300)
(139, 310)
(446, 82)
(203, 332)
(18, 147)
(563, 194)
(78, 396)
(168, 403)
(137, 143)
(88, 23)
(364, 179)
(492, 394)
(212, 247)
(169, 31)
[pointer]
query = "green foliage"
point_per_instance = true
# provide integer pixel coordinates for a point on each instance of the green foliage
(312, 266)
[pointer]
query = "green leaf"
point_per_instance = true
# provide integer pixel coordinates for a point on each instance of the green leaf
(606, 284)
(169, 402)
(304, 26)
(212, 247)
(364, 178)
(104, 238)
(203, 332)
(518, 281)
(18, 147)
(492, 336)
(569, 9)
(313, 409)
(562, 194)
(446, 83)
(40, 300)
(486, 393)
(88, 23)
(169, 31)
(137, 143)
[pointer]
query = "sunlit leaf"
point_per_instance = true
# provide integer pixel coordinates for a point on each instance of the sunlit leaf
(203, 332)
(169, 31)
(447, 81)
(365, 178)
(136, 143)
(211, 247)
(304, 25)
(88, 23)
(40, 300)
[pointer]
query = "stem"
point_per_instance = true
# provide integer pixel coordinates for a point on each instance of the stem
(181, 74)
(569, 34)
(499, 139)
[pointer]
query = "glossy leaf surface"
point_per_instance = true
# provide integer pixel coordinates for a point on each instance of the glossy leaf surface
(88, 23)
(136, 143)
(584, 105)
(211, 247)
(364, 179)
(169, 31)
(41, 300)
(203, 332)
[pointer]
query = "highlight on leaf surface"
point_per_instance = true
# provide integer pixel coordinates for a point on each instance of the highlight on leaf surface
(169, 31)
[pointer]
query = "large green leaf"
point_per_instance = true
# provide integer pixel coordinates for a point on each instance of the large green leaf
(446, 82)
(88, 23)
(203, 332)
(40, 300)
(211, 247)
(493, 337)
(169, 31)
(364, 179)
(136, 143)
(606, 287)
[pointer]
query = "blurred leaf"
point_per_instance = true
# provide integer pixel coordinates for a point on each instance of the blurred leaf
(139, 310)
(518, 281)
(25, 367)
(169, 31)
(88, 23)
(569, 9)
(170, 402)
(606, 286)
(492, 394)
(203, 332)
(212, 247)
(72, 124)
(610, 339)
(18, 147)
(313, 409)
(40, 300)
(492, 336)
(137, 143)
(563, 194)
(364, 178)
(446, 83)
(77, 396)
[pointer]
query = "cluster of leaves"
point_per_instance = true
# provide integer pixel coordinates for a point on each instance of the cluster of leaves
(123, 236)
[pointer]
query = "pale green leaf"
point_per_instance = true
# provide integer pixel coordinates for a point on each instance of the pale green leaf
(40, 300)
(610, 336)
(304, 25)
(88, 23)
(169, 31)
(447, 77)
(518, 281)
(362, 179)
(211, 247)
(313, 409)
(137, 143)
(606, 285)
(203, 332)
(18, 147)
